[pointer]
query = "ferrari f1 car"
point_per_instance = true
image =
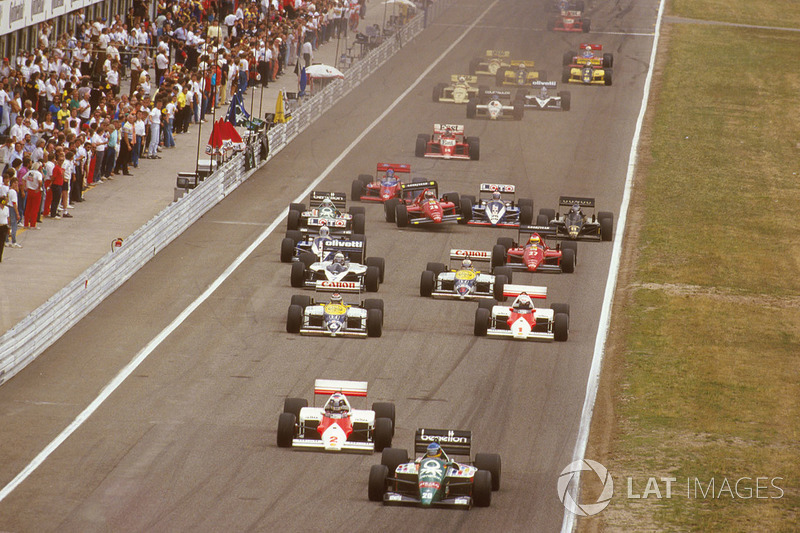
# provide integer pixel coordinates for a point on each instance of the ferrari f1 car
(520, 73)
(569, 20)
(495, 207)
(447, 142)
(531, 253)
(544, 97)
(336, 426)
(489, 64)
(322, 246)
(310, 269)
(495, 105)
(575, 224)
(521, 320)
(435, 479)
(384, 185)
(460, 89)
(334, 317)
(328, 210)
(419, 204)
(461, 281)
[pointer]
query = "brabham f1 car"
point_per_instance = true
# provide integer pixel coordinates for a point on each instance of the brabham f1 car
(322, 246)
(384, 185)
(336, 426)
(461, 281)
(544, 96)
(328, 211)
(575, 224)
(569, 20)
(434, 479)
(309, 269)
(447, 142)
(335, 317)
(521, 320)
(531, 253)
(420, 204)
(520, 73)
(460, 90)
(489, 64)
(589, 54)
(495, 207)
(495, 105)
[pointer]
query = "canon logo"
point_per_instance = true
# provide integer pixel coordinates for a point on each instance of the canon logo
(338, 284)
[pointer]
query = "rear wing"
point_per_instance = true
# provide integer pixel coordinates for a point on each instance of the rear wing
(455, 128)
(545, 231)
(551, 84)
(498, 187)
(420, 186)
(498, 53)
(337, 286)
(518, 62)
(339, 245)
(456, 78)
(570, 200)
(339, 199)
(497, 94)
(348, 388)
(531, 290)
(588, 46)
(403, 168)
(475, 255)
(452, 441)
(573, 13)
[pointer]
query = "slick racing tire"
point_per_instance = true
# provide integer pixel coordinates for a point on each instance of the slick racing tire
(365, 179)
(606, 219)
(474, 144)
(571, 245)
(303, 300)
(498, 256)
(526, 215)
(307, 259)
(374, 322)
(587, 26)
(566, 73)
(293, 219)
(472, 108)
(608, 76)
(438, 90)
(473, 65)
(359, 223)
(377, 482)
(608, 60)
(482, 317)
(382, 436)
(374, 303)
(560, 308)
(436, 268)
(500, 76)
(542, 220)
(549, 213)
(466, 208)
(295, 235)
(567, 260)
(294, 319)
(566, 100)
(499, 287)
(378, 262)
(426, 283)
(298, 275)
(372, 279)
(385, 410)
(286, 429)
(401, 216)
(487, 303)
(506, 242)
(561, 327)
(358, 209)
(453, 197)
(293, 405)
(421, 146)
(287, 250)
(505, 271)
(567, 58)
(482, 488)
(491, 463)
(356, 190)
(389, 209)
(391, 458)
(519, 111)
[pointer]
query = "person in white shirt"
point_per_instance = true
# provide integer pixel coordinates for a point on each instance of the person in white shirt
(99, 141)
(308, 53)
(140, 129)
(162, 64)
(155, 130)
(4, 216)
(34, 182)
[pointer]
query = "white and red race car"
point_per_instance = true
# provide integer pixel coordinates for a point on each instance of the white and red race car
(521, 320)
(336, 426)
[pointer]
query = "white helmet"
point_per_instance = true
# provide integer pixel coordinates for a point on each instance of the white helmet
(324, 231)
(466, 263)
(338, 258)
(496, 195)
(336, 298)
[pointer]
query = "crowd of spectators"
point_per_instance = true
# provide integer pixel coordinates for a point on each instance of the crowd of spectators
(66, 124)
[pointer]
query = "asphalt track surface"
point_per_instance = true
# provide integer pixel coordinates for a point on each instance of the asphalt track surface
(187, 443)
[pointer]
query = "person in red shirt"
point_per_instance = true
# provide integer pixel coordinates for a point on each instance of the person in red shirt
(56, 185)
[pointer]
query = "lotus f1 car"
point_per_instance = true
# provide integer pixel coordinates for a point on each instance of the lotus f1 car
(460, 90)
(384, 185)
(420, 204)
(434, 479)
(544, 97)
(308, 270)
(519, 74)
(336, 426)
(447, 142)
(489, 64)
(321, 247)
(495, 105)
(569, 20)
(328, 211)
(335, 317)
(521, 320)
(495, 207)
(461, 281)
(531, 253)
(575, 224)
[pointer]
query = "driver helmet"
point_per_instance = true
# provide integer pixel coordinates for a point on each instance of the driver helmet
(390, 173)
(524, 302)
(336, 298)
(337, 403)
(496, 195)
(521, 66)
(324, 231)
(338, 259)
(466, 263)
(429, 195)
(576, 209)
(433, 450)
(462, 79)
(535, 239)
(327, 202)
(544, 91)
(588, 52)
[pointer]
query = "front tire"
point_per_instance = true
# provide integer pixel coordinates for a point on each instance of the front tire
(426, 283)
(561, 327)
(286, 429)
(377, 482)
(422, 145)
(401, 216)
(482, 488)
(389, 209)
(482, 317)
(374, 323)
(298, 275)
(372, 279)
(491, 463)
(294, 319)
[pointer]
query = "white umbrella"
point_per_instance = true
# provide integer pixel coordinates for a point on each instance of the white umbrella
(409, 3)
(323, 71)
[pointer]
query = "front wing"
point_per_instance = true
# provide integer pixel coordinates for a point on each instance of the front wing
(395, 498)
(313, 444)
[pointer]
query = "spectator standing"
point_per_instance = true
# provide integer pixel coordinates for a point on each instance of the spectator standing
(33, 183)
(56, 185)
(13, 212)
(4, 229)
(155, 130)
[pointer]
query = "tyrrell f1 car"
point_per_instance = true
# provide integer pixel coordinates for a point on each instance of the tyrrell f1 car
(327, 210)
(575, 224)
(335, 317)
(309, 269)
(495, 207)
(460, 90)
(495, 105)
(531, 253)
(489, 64)
(447, 142)
(544, 97)
(435, 479)
(383, 185)
(420, 204)
(461, 281)
(336, 426)
(521, 320)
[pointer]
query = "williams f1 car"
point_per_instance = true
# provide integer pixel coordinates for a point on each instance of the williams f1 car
(420, 204)
(495, 105)
(380, 188)
(531, 253)
(544, 97)
(309, 269)
(521, 320)
(447, 142)
(461, 281)
(328, 210)
(574, 224)
(460, 89)
(335, 317)
(495, 207)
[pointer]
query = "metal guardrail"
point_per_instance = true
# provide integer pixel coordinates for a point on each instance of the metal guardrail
(45, 325)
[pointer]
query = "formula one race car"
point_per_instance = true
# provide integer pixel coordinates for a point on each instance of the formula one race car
(379, 188)
(589, 54)
(493, 61)
(335, 318)
(495, 207)
(521, 320)
(495, 105)
(329, 211)
(575, 224)
(544, 97)
(520, 73)
(531, 253)
(447, 142)
(569, 20)
(464, 282)
(420, 203)
(587, 67)
(434, 479)
(336, 427)
(308, 270)
(460, 90)
(322, 247)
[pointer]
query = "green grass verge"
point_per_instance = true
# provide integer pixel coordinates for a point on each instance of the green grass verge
(710, 384)
(779, 13)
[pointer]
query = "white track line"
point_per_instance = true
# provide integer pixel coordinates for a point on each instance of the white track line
(569, 523)
(153, 344)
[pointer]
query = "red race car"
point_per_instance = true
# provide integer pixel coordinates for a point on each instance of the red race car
(531, 253)
(419, 203)
(448, 142)
(569, 20)
(380, 187)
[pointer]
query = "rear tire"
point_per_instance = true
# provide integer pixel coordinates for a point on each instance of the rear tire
(608, 60)
(293, 220)
(294, 319)
(519, 111)
(356, 190)
(499, 256)
(466, 208)
(422, 145)
(482, 488)
(606, 225)
(566, 100)
(389, 209)
(492, 464)
(567, 59)
(500, 76)
(499, 287)
(286, 429)
(474, 144)
(391, 458)
(482, 317)
(377, 482)
(427, 281)
(566, 73)
(359, 223)
(587, 25)
(453, 197)
(372, 279)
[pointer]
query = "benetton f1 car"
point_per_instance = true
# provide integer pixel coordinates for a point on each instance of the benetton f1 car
(328, 211)
(434, 479)
(447, 142)
(460, 89)
(335, 317)
(495, 207)
(575, 224)
(380, 188)
(495, 105)
(461, 281)
(336, 426)
(531, 253)
(521, 320)
(544, 97)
